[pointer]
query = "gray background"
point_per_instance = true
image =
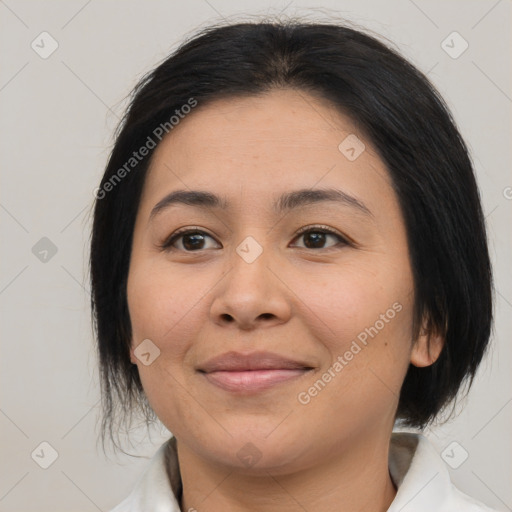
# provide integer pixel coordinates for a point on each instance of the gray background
(57, 118)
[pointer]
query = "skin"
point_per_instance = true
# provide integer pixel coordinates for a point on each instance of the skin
(297, 299)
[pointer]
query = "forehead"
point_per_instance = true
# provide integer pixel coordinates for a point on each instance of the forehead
(261, 145)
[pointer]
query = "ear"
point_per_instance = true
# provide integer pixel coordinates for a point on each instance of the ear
(133, 359)
(427, 348)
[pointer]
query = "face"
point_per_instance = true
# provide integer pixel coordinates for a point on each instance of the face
(324, 283)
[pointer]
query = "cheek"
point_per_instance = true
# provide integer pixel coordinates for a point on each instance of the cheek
(352, 301)
(163, 306)
(362, 315)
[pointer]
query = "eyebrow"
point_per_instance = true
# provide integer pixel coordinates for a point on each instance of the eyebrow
(284, 203)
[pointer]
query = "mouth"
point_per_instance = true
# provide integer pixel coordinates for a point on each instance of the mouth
(254, 372)
(253, 380)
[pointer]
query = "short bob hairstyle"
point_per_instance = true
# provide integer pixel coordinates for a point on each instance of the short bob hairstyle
(395, 107)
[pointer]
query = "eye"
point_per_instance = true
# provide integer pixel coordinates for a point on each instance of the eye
(190, 240)
(193, 239)
(315, 237)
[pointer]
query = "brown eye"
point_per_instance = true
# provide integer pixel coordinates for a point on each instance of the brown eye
(315, 238)
(191, 240)
(195, 240)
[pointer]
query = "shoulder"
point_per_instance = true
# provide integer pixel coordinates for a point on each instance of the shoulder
(153, 490)
(463, 502)
(422, 479)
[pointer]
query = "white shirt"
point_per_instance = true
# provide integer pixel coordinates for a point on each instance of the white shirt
(420, 475)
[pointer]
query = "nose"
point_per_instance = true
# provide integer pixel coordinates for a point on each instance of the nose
(251, 294)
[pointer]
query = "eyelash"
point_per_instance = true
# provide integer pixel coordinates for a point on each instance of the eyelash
(167, 244)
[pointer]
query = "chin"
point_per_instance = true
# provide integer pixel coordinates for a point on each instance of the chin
(254, 448)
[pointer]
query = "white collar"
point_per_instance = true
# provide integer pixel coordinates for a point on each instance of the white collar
(421, 477)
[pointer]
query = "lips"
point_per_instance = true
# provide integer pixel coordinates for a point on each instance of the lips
(256, 371)
(235, 361)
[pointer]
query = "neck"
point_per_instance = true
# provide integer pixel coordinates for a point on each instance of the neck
(349, 479)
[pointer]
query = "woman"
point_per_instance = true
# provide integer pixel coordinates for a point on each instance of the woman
(288, 259)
